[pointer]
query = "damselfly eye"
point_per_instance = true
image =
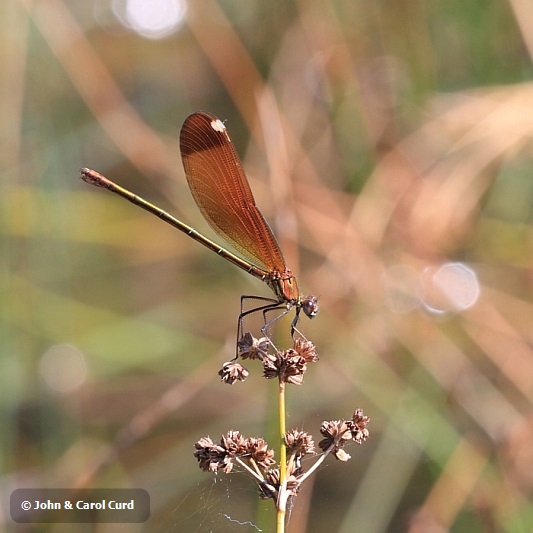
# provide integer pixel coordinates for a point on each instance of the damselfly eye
(310, 306)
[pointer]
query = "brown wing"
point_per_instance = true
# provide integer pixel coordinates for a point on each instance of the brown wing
(221, 191)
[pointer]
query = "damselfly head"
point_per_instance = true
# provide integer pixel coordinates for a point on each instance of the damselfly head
(310, 306)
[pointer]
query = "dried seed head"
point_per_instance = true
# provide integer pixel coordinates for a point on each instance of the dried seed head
(260, 452)
(336, 430)
(234, 443)
(212, 457)
(358, 426)
(252, 348)
(337, 433)
(288, 366)
(306, 349)
(299, 442)
(232, 372)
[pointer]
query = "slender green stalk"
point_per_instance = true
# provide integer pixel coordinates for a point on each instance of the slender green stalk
(282, 498)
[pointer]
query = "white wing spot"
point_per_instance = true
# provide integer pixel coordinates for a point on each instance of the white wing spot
(218, 125)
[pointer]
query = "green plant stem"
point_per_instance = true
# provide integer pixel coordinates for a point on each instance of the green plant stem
(281, 504)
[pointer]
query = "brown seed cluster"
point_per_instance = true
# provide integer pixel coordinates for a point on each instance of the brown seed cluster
(338, 433)
(213, 457)
(232, 372)
(299, 442)
(289, 366)
(358, 426)
(252, 454)
(255, 456)
(251, 348)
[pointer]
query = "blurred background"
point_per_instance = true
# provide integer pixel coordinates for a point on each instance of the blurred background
(389, 144)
